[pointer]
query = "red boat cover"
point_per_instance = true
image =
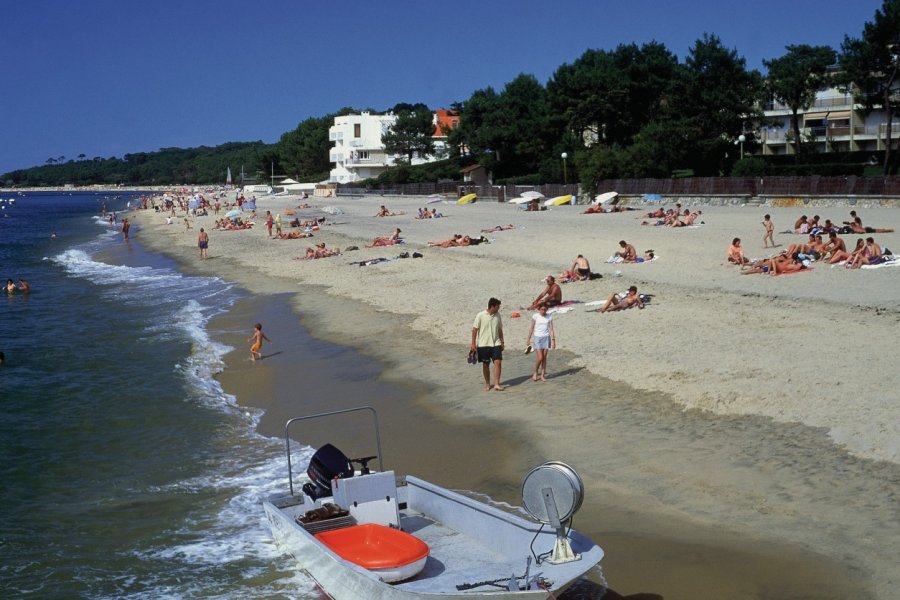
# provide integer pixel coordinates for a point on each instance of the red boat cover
(374, 546)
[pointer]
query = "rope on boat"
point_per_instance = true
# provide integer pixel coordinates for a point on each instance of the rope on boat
(545, 584)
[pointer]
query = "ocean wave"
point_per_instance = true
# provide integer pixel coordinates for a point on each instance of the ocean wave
(230, 531)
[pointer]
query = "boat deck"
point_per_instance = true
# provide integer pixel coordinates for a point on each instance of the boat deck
(455, 558)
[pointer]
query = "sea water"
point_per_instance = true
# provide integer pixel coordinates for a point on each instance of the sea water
(126, 470)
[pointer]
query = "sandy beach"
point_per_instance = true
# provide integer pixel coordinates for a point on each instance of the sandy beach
(741, 433)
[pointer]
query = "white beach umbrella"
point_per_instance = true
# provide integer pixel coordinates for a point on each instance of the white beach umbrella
(532, 194)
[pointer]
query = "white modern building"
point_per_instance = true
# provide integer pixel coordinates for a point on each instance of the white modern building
(358, 152)
(834, 122)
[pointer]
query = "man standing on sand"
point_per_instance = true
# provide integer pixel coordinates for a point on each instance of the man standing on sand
(487, 341)
(277, 224)
(203, 243)
(269, 222)
(125, 227)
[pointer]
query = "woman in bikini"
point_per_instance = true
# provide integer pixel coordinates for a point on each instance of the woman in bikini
(389, 240)
(842, 255)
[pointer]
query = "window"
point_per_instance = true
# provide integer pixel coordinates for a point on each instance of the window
(357, 130)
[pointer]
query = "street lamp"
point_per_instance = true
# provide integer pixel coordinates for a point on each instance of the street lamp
(741, 139)
(565, 173)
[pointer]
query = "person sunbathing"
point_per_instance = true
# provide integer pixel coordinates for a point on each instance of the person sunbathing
(580, 270)
(857, 227)
(736, 253)
(628, 253)
(292, 235)
(456, 240)
(833, 245)
(659, 213)
(843, 255)
(593, 209)
(802, 248)
(689, 218)
(383, 212)
(551, 295)
(535, 205)
(870, 255)
(801, 225)
(777, 265)
(319, 251)
(499, 228)
(304, 205)
(623, 301)
(387, 240)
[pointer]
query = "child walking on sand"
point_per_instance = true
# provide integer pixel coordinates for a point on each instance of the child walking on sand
(770, 231)
(257, 339)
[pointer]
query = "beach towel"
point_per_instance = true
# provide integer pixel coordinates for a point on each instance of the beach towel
(615, 259)
(794, 272)
(564, 307)
(894, 262)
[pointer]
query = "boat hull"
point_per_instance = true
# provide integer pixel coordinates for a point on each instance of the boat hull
(453, 526)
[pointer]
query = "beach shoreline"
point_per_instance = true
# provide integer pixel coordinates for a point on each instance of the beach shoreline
(383, 311)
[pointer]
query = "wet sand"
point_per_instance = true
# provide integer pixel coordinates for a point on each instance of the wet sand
(717, 506)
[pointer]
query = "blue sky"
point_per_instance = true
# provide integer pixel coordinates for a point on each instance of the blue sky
(109, 77)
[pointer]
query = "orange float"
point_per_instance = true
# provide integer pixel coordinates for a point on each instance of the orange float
(392, 554)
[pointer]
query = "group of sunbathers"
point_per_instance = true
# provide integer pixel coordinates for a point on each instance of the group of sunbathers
(313, 224)
(797, 257)
(426, 213)
(673, 217)
(318, 251)
(595, 209)
(232, 225)
(854, 225)
(293, 235)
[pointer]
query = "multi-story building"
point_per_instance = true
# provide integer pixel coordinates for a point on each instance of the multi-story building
(358, 151)
(834, 123)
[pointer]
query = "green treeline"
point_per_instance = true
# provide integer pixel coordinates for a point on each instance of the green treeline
(634, 111)
(168, 166)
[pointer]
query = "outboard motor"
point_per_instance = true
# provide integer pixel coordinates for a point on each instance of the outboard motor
(327, 463)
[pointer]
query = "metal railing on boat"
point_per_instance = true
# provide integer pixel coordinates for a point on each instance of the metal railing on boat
(287, 437)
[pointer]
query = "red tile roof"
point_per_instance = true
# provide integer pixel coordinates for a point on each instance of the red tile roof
(446, 118)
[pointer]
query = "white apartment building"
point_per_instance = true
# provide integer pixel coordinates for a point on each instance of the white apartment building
(834, 121)
(358, 152)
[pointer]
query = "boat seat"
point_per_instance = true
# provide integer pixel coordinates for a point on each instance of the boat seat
(391, 553)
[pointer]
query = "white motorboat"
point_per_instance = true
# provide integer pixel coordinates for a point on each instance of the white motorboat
(364, 534)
